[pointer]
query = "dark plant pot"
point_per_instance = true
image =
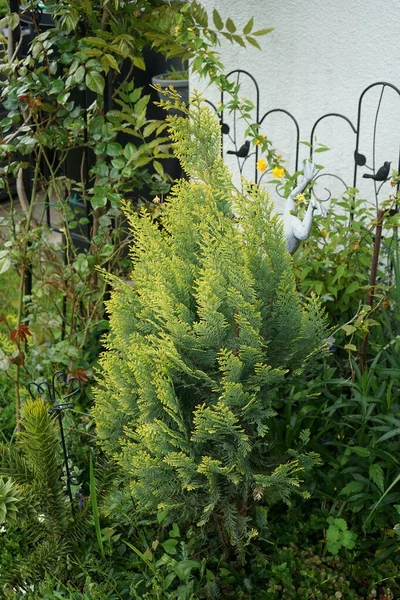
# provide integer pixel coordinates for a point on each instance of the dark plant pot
(181, 85)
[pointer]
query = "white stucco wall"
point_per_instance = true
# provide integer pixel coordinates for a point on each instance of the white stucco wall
(319, 58)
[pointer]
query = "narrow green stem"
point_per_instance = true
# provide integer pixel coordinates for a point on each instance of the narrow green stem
(21, 291)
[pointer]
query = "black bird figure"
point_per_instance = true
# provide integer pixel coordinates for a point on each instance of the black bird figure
(360, 159)
(243, 150)
(381, 174)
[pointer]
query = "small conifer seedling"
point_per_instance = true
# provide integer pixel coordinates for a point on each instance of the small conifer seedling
(201, 343)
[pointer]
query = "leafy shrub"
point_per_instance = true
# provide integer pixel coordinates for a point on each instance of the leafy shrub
(201, 344)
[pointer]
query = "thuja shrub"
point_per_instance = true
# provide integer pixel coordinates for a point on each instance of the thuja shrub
(202, 341)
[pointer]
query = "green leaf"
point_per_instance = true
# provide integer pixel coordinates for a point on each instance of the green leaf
(349, 329)
(150, 128)
(253, 42)
(159, 168)
(114, 149)
(354, 285)
(5, 261)
(93, 500)
(263, 31)
(376, 475)
(98, 202)
(239, 40)
(350, 347)
(170, 546)
(130, 150)
(249, 26)
(118, 163)
(138, 61)
(230, 25)
(79, 74)
(161, 515)
(217, 20)
(95, 82)
(174, 533)
(110, 60)
(13, 20)
(352, 488)
(321, 149)
(360, 451)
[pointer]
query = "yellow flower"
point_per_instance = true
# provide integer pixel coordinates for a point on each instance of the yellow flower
(356, 246)
(300, 199)
(262, 165)
(278, 172)
(323, 232)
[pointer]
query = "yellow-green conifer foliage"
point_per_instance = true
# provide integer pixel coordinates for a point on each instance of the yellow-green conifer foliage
(202, 341)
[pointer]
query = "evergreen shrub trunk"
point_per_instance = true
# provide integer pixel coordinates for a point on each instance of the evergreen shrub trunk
(202, 342)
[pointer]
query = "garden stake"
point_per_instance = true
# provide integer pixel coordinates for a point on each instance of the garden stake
(45, 388)
(372, 281)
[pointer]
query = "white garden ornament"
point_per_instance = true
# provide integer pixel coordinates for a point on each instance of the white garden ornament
(297, 230)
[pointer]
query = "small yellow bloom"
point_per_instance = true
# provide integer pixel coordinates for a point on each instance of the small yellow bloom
(300, 199)
(262, 165)
(278, 172)
(324, 232)
(356, 246)
(157, 199)
(219, 103)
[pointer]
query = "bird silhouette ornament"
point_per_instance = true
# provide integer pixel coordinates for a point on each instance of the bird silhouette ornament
(295, 229)
(243, 150)
(382, 173)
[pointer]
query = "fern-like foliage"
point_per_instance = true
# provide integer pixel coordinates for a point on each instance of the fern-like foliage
(35, 505)
(201, 344)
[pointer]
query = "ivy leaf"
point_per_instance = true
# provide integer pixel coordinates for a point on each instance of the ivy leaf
(95, 82)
